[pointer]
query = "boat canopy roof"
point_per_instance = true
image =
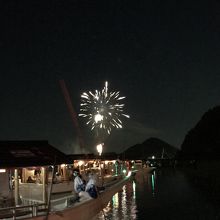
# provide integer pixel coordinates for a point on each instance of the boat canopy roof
(30, 153)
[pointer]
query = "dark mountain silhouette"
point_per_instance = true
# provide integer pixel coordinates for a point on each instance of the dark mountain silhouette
(203, 141)
(150, 147)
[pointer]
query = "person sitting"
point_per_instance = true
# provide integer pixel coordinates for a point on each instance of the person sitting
(91, 186)
(79, 186)
(78, 183)
(58, 178)
(30, 180)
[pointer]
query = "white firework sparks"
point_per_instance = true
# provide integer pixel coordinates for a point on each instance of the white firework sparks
(102, 109)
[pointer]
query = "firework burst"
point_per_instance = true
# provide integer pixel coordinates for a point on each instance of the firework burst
(102, 109)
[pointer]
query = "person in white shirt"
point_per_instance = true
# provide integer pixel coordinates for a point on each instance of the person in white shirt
(91, 186)
(78, 183)
(79, 187)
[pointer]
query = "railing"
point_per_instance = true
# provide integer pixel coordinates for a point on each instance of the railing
(62, 202)
(30, 201)
(23, 211)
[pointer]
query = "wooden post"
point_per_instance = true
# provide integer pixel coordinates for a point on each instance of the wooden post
(24, 172)
(16, 192)
(50, 191)
(44, 184)
(64, 169)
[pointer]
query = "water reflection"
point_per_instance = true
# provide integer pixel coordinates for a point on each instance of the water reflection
(115, 201)
(165, 194)
(122, 206)
(152, 177)
(134, 189)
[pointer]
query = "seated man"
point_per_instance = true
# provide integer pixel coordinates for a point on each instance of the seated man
(79, 186)
(91, 186)
(78, 183)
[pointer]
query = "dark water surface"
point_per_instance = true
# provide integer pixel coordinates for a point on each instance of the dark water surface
(163, 194)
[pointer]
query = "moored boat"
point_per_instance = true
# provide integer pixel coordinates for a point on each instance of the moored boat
(34, 184)
(86, 209)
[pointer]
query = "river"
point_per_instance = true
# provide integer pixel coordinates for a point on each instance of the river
(164, 195)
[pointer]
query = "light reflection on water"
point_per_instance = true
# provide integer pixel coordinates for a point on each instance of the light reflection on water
(122, 206)
(159, 195)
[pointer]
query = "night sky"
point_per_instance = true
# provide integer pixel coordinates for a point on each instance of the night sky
(164, 56)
